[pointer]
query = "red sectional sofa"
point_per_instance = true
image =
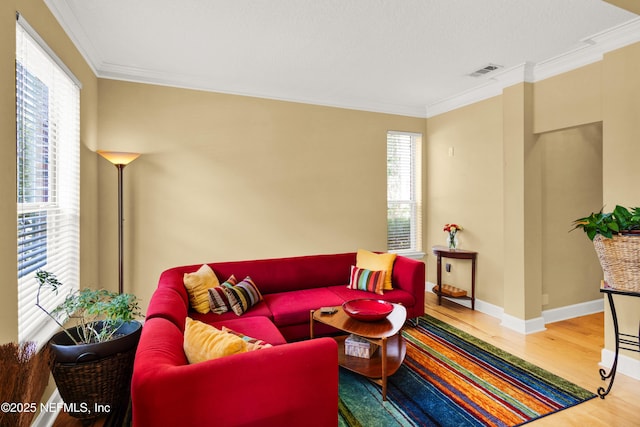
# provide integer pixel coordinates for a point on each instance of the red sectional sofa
(295, 382)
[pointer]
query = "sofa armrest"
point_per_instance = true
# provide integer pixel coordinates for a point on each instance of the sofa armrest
(166, 302)
(409, 275)
(290, 384)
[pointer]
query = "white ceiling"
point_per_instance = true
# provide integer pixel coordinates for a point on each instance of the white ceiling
(399, 56)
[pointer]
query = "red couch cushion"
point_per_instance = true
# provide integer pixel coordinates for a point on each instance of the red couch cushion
(289, 308)
(300, 331)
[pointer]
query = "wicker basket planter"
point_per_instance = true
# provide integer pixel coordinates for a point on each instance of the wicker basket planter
(94, 379)
(620, 260)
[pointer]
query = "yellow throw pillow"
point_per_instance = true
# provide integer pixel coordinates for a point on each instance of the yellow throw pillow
(204, 342)
(377, 262)
(198, 285)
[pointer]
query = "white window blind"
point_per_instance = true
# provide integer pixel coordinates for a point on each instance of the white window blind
(403, 192)
(48, 184)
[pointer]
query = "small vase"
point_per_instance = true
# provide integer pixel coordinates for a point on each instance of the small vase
(452, 241)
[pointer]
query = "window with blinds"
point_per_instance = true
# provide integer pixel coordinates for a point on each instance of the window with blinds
(403, 192)
(48, 184)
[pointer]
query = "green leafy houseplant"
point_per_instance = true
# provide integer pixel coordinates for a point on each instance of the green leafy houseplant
(93, 357)
(96, 315)
(621, 220)
(616, 240)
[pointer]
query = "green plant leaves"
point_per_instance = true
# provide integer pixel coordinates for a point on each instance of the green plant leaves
(606, 224)
(88, 306)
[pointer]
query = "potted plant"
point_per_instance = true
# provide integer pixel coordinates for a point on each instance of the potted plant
(616, 239)
(93, 356)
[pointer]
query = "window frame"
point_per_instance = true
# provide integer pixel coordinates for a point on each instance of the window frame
(411, 184)
(51, 106)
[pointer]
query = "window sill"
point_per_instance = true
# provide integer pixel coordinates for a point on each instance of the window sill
(410, 254)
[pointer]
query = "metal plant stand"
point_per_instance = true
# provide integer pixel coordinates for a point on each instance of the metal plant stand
(623, 341)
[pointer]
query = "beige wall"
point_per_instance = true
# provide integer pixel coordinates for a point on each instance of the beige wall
(569, 99)
(621, 149)
(571, 188)
(39, 17)
(568, 121)
(522, 215)
(8, 249)
(225, 177)
(464, 186)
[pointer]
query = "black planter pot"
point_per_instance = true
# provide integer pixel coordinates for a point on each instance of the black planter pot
(94, 380)
(65, 351)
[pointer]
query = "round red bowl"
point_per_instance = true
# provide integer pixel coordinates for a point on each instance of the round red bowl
(367, 310)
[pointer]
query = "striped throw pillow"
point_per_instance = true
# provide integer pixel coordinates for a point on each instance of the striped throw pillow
(242, 296)
(366, 280)
(218, 301)
(252, 343)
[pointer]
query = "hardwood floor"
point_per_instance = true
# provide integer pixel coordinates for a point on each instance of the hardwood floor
(569, 349)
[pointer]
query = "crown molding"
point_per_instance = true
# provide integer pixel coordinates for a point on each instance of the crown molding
(592, 50)
(492, 87)
(193, 82)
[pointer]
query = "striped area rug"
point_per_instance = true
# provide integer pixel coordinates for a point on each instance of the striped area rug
(450, 378)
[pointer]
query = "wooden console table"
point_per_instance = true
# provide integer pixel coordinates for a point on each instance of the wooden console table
(445, 252)
(630, 342)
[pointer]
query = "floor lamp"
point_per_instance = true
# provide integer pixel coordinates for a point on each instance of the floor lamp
(120, 160)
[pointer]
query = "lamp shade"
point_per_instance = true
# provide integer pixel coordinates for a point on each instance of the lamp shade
(119, 157)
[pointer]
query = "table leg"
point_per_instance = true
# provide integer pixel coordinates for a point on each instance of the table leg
(439, 270)
(384, 368)
(311, 324)
(473, 283)
(612, 372)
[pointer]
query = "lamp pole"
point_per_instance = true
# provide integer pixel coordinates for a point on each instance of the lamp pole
(120, 159)
(120, 231)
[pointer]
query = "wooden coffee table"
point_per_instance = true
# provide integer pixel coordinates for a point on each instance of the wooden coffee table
(384, 333)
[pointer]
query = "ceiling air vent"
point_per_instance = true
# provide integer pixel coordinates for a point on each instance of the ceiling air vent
(485, 70)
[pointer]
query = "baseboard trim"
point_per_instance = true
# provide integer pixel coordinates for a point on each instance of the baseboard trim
(572, 311)
(532, 325)
(46, 418)
(626, 365)
(522, 326)
(490, 309)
